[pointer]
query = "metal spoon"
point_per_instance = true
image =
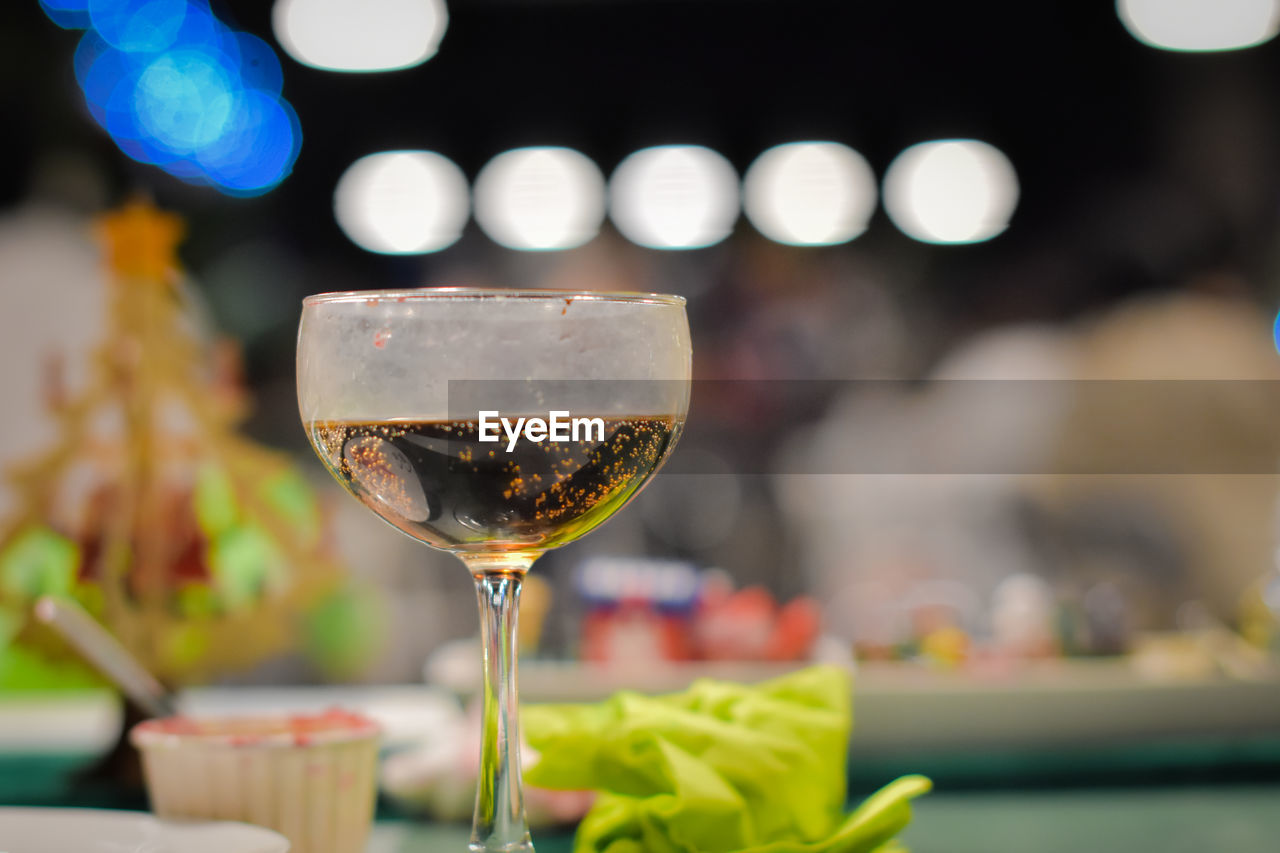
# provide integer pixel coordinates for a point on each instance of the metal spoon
(106, 653)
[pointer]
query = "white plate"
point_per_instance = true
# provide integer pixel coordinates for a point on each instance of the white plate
(94, 831)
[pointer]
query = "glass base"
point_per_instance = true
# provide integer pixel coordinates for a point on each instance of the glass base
(525, 846)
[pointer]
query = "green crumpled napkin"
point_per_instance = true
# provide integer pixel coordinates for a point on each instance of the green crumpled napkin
(721, 767)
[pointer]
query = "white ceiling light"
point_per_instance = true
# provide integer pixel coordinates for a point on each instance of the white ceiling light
(674, 197)
(951, 191)
(402, 202)
(540, 198)
(360, 35)
(1200, 25)
(810, 193)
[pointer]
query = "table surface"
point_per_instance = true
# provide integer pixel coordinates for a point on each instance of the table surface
(1132, 820)
(1216, 793)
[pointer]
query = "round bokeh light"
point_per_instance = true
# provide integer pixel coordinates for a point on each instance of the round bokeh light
(1200, 25)
(540, 199)
(360, 35)
(402, 202)
(810, 193)
(674, 197)
(951, 191)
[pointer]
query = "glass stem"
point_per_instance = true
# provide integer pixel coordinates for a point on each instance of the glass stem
(499, 818)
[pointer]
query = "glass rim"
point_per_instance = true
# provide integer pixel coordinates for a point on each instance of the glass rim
(484, 293)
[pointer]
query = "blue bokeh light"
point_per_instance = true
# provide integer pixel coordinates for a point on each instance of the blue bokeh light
(259, 65)
(68, 14)
(272, 127)
(181, 100)
(176, 88)
(199, 26)
(138, 25)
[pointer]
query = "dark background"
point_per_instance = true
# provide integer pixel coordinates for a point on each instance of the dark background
(1114, 142)
(1140, 171)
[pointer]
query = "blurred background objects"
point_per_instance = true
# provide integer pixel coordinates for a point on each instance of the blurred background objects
(982, 299)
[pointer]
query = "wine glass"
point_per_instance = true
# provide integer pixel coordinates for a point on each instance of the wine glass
(494, 424)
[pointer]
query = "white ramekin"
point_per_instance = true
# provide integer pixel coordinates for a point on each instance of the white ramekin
(311, 778)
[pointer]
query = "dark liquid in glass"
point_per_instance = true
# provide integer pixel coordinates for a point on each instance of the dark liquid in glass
(436, 481)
